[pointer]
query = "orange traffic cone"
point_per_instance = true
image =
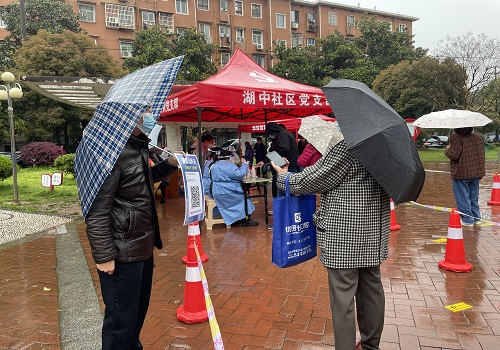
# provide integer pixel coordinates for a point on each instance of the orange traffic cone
(495, 191)
(194, 309)
(194, 232)
(394, 225)
(454, 258)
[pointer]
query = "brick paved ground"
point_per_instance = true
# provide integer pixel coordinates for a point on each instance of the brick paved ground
(261, 306)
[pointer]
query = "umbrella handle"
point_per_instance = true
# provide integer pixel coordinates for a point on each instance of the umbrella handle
(161, 149)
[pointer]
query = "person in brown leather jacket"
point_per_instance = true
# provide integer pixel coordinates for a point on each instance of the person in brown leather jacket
(122, 228)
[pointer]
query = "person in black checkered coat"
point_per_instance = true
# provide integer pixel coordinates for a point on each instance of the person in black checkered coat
(352, 223)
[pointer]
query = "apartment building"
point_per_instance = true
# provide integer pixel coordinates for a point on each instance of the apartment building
(253, 26)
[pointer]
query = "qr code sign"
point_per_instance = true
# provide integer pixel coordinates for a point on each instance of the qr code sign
(195, 196)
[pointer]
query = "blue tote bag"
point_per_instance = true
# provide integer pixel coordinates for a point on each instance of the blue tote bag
(294, 233)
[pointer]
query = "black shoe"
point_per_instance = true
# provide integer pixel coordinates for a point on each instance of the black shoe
(163, 200)
(245, 223)
(251, 223)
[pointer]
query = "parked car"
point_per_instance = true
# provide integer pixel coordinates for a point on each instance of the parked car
(236, 144)
(18, 158)
(491, 138)
(436, 142)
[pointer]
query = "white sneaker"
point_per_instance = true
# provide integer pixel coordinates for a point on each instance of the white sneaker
(466, 224)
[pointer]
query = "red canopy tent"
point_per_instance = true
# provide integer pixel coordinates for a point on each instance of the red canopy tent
(244, 92)
(292, 125)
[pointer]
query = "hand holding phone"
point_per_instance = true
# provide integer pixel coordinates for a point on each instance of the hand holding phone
(276, 158)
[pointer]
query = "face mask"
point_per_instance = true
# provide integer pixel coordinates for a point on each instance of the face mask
(148, 123)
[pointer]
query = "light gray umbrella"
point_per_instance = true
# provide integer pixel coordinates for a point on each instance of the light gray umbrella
(320, 133)
(451, 119)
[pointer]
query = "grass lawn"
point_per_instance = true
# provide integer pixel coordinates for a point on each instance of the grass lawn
(437, 154)
(63, 199)
(35, 198)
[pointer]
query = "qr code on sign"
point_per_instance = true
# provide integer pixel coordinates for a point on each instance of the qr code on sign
(195, 196)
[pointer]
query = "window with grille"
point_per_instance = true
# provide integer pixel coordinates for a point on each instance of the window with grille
(148, 18)
(281, 42)
(167, 20)
(332, 18)
(238, 8)
(87, 13)
(224, 31)
(240, 35)
(311, 17)
(256, 11)
(256, 37)
(296, 40)
(311, 42)
(280, 20)
(181, 6)
(205, 29)
(202, 4)
(126, 48)
(260, 60)
(181, 30)
(402, 28)
(390, 26)
(119, 16)
(224, 58)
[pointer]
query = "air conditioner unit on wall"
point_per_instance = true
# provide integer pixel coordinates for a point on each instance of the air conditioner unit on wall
(258, 46)
(295, 25)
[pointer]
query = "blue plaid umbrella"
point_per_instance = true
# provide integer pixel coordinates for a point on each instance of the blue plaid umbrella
(113, 122)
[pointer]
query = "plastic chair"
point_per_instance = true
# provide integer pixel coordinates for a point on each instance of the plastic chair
(209, 214)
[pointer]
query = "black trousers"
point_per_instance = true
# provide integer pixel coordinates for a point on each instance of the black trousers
(126, 295)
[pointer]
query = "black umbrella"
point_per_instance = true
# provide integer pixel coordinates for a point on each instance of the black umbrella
(378, 138)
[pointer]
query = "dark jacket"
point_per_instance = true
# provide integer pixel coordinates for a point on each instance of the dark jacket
(466, 154)
(122, 223)
(284, 143)
(259, 150)
(248, 154)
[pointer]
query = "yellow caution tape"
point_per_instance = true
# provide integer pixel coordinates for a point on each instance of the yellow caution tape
(484, 222)
(214, 326)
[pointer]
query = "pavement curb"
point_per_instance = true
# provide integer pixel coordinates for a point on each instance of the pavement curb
(80, 316)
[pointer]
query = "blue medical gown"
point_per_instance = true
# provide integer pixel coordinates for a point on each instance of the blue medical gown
(206, 183)
(206, 177)
(227, 190)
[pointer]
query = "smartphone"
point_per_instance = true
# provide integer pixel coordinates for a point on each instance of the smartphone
(276, 158)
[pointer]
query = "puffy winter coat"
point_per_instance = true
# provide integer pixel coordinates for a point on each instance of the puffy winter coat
(309, 156)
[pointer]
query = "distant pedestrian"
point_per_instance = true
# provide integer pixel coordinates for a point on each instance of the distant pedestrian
(259, 151)
(283, 142)
(248, 153)
(467, 165)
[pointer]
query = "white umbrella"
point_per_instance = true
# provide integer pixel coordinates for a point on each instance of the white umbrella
(320, 133)
(451, 119)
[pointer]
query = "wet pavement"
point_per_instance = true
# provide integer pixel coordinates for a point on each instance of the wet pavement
(49, 298)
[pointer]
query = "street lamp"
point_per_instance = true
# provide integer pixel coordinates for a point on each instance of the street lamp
(7, 92)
